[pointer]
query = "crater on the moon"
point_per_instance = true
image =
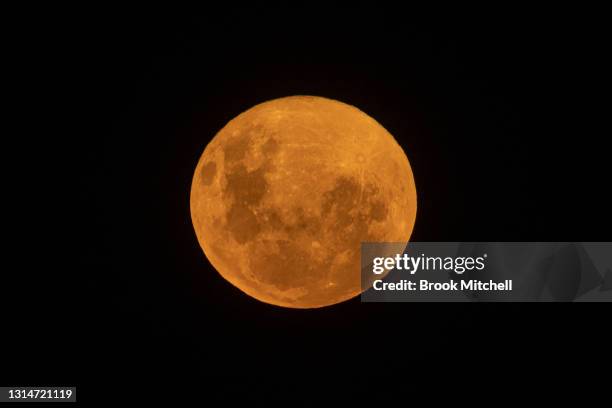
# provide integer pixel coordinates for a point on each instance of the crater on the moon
(282, 199)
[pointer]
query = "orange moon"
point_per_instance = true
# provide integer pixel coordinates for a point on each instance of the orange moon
(285, 193)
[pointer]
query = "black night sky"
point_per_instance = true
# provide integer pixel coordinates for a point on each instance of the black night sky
(497, 114)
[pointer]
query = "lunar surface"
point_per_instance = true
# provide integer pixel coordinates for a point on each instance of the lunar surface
(285, 193)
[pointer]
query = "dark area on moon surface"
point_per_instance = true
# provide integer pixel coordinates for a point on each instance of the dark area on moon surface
(501, 111)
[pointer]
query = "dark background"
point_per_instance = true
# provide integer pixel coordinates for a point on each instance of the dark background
(497, 111)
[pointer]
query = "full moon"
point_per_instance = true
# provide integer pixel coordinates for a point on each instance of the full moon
(284, 195)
